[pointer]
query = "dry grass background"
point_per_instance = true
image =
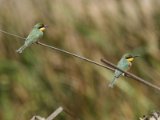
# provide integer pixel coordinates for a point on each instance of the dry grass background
(39, 80)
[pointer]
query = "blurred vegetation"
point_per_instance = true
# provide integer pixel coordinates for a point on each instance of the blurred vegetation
(40, 80)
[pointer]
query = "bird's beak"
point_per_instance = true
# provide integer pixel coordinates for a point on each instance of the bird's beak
(136, 56)
(45, 26)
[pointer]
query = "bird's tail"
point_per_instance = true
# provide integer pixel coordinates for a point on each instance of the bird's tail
(112, 82)
(20, 50)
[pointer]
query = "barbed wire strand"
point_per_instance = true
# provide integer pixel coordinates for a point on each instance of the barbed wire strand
(109, 66)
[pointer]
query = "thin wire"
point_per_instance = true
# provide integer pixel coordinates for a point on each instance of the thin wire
(112, 68)
(11, 34)
(77, 56)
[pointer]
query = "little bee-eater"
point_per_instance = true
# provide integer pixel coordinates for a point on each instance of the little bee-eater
(125, 63)
(33, 37)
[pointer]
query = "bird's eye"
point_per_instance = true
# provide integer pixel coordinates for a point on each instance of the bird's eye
(41, 26)
(129, 57)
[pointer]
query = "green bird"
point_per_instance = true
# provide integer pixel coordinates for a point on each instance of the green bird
(125, 64)
(33, 37)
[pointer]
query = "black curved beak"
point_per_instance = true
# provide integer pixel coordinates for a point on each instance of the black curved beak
(136, 56)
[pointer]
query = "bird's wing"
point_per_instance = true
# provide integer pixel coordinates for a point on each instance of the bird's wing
(122, 64)
(33, 37)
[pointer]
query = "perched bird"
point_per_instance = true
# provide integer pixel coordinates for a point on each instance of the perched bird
(125, 63)
(33, 37)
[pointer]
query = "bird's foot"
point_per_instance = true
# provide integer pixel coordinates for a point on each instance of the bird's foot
(123, 74)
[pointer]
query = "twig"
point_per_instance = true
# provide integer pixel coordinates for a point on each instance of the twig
(128, 74)
(55, 113)
(50, 117)
(36, 117)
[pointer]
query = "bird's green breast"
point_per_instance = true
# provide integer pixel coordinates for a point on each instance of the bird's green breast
(34, 36)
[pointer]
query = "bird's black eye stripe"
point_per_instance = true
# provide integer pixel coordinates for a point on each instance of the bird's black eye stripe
(41, 26)
(129, 57)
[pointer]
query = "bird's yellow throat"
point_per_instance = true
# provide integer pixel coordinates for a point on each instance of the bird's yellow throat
(130, 59)
(42, 29)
